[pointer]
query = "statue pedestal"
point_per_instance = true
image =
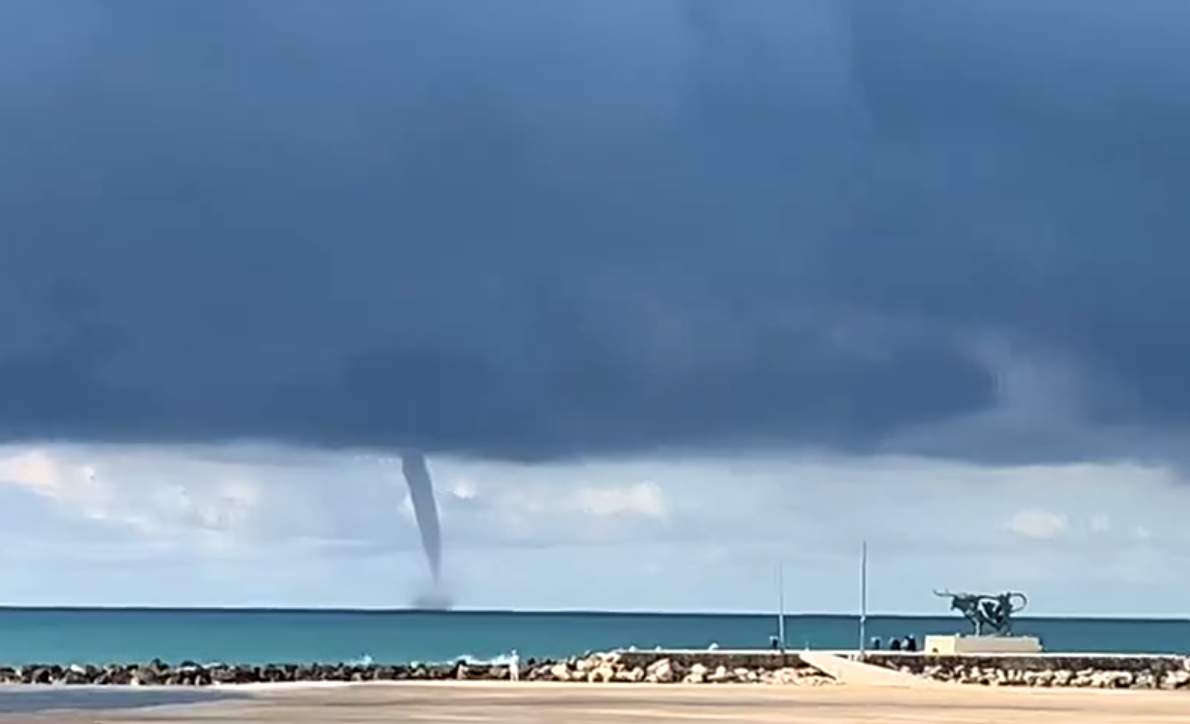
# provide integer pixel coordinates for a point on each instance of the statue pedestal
(958, 644)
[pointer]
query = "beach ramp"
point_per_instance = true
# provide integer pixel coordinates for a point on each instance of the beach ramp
(848, 671)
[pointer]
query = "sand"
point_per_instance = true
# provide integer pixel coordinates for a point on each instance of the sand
(485, 702)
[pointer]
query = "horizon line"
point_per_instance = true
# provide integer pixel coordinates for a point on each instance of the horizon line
(557, 612)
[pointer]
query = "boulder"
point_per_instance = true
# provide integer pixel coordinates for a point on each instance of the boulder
(660, 672)
(75, 677)
(37, 675)
(792, 676)
(1176, 679)
(145, 677)
(225, 675)
(560, 672)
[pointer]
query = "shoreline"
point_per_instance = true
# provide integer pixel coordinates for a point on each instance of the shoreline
(605, 704)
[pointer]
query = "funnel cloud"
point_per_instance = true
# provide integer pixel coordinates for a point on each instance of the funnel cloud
(421, 492)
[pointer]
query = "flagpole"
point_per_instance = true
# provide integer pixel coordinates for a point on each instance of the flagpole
(781, 605)
(863, 597)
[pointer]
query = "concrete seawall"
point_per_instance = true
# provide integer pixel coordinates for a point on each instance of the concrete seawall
(732, 659)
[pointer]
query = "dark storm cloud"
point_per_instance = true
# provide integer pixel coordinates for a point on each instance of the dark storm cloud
(531, 229)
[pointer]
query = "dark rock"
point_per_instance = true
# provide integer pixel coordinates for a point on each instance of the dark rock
(120, 675)
(146, 677)
(77, 677)
(40, 675)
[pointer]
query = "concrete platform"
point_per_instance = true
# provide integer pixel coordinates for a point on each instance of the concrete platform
(731, 658)
(846, 670)
(961, 644)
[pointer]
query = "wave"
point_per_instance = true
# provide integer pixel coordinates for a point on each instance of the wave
(472, 660)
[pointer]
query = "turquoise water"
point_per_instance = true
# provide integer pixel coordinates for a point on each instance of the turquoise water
(96, 636)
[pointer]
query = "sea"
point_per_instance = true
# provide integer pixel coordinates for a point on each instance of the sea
(65, 636)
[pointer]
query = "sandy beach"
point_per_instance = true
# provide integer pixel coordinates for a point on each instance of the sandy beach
(481, 702)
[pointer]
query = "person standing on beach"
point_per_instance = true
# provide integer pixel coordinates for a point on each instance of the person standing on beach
(514, 667)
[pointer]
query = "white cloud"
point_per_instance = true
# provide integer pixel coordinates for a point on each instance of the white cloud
(1038, 524)
(280, 526)
(464, 489)
(33, 468)
(161, 494)
(643, 499)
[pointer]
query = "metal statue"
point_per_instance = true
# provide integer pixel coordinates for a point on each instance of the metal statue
(990, 615)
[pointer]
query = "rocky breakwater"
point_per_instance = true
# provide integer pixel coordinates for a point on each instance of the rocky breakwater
(159, 673)
(611, 667)
(1078, 671)
(676, 668)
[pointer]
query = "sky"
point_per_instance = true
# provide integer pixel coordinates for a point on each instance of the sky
(667, 292)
